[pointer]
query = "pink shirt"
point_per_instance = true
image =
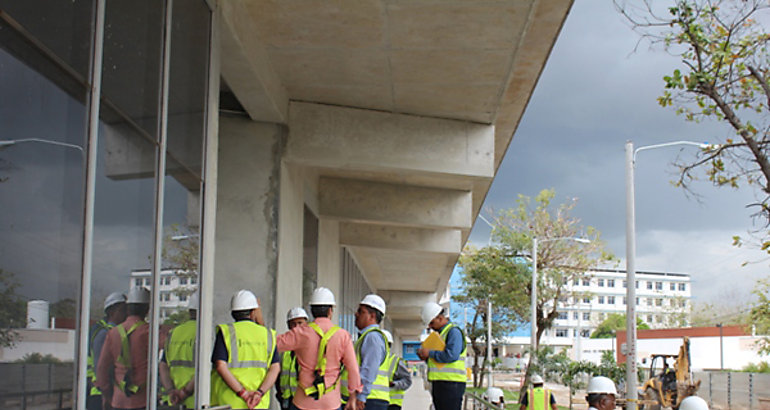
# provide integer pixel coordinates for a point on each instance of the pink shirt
(304, 342)
(108, 369)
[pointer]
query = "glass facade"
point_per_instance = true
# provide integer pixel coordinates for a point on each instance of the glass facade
(146, 192)
(354, 288)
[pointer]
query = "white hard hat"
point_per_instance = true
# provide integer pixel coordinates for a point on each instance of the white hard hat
(193, 301)
(138, 294)
(295, 313)
(429, 312)
(601, 385)
(693, 403)
(374, 301)
(322, 297)
(536, 379)
(243, 300)
(113, 299)
(494, 394)
(388, 335)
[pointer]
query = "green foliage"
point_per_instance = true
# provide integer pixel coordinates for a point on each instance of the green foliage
(12, 309)
(760, 314)
(183, 255)
(723, 75)
(761, 367)
(38, 358)
(177, 318)
(614, 322)
(64, 308)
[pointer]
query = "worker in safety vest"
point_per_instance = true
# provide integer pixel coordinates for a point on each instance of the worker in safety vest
(538, 397)
(399, 376)
(177, 366)
(495, 396)
(244, 359)
(121, 372)
(601, 393)
(322, 350)
(114, 313)
(372, 353)
(446, 368)
(287, 381)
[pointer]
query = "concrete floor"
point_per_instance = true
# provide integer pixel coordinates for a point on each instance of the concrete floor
(417, 398)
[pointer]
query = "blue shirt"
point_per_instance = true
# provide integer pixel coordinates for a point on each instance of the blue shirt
(453, 348)
(373, 353)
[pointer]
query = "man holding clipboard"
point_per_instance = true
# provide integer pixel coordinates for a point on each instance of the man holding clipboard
(446, 358)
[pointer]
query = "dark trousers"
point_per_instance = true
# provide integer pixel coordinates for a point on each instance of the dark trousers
(447, 395)
(376, 404)
(93, 402)
(394, 407)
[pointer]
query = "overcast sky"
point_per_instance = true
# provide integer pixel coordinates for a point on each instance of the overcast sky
(594, 94)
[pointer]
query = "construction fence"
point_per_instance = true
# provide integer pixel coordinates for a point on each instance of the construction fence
(734, 390)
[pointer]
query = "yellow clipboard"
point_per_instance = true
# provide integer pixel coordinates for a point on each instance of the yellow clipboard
(434, 342)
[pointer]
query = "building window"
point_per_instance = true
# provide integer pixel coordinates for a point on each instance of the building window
(183, 298)
(649, 301)
(585, 333)
(649, 318)
(574, 315)
(637, 301)
(194, 280)
(600, 282)
(610, 283)
(673, 303)
(672, 286)
(625, 300)
(658, 285)
(658, 302)
(138, 282)
(610, 300)
(649, 285)
(561, 333)
(183, 280)
(658, 319)
(562, 316)
(586, 315)
(586, 300)
(682, 287)
(600, 315)
(683, 303)
(586, 282)
(636, 284)
(625, 283)
(601, 300)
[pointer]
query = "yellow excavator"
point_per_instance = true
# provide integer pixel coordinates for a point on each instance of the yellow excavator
(668, 386)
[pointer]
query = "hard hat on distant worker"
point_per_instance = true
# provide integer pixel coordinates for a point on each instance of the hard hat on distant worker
(494, 395)
(322, 297)
(113, 299)
(374, 301)
(693, 403)
(388, 335)
(601, 385)
(429, 312)
(243, 300)
(296, 313)
(193, 302)
(138, 294)
(536, 379)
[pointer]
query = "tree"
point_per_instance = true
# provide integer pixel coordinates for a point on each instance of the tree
(760, 314)
(181, 251)
(482, 273)
(559, 260)
(614, 322)
(12, 309)
(723, 75)
(732, 309)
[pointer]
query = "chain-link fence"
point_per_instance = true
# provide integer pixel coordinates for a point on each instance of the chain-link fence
(734, 390)
(36, 386)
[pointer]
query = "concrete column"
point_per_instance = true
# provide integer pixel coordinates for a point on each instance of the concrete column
(247, 207)
(290, 230)
(329, 256)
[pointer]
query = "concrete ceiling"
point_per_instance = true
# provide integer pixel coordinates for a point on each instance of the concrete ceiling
(472, 61)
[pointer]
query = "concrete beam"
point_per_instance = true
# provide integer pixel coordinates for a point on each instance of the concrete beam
(247, 68)
(408, 329)
(404, 305)
(358, 139)
(393, 204)
(400, 238)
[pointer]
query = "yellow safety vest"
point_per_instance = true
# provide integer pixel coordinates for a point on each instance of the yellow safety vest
(396, 396)
(288, 379)
(449, 372)
(381, 386)
(250, 351)
(319, 387)
(127, 385)
(180, 356)
(538, 399)
(91, 362)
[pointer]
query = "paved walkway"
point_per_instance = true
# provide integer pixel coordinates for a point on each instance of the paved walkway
(417, 398)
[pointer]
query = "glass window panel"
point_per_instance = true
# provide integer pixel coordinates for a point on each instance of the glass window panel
(43, 58)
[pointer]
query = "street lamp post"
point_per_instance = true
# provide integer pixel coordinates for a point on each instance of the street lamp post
(533, 335)
(631, 370)
(489, 314)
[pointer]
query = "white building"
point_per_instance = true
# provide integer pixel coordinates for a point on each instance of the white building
(662, 300)
(175, 285)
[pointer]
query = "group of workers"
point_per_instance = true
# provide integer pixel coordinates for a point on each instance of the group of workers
(316, 364)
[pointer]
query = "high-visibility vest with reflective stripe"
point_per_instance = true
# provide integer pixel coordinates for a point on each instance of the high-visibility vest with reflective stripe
(180, 356)
(396, 396)
(288, 379)
(318, 390)
(381, 386)
(538, 399)
(450, 372)
(127, 385)
(91, 362)
(250, 350)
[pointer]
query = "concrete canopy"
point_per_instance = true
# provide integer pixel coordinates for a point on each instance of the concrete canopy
(416, 99)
